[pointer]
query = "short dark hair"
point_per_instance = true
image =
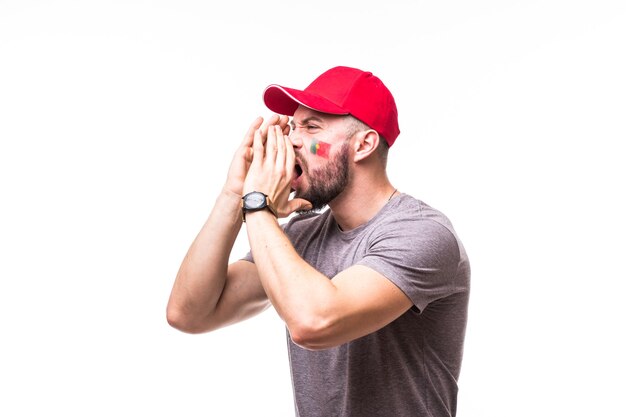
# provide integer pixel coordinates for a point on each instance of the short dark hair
(357, 126)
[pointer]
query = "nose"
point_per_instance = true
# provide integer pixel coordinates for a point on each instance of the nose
(295, 139)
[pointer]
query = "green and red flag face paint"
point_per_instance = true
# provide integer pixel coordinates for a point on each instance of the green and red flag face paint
(320, 148)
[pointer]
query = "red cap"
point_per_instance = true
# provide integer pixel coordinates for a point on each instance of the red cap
(342, 90)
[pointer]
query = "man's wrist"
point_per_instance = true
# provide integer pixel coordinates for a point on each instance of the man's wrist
(252, 216)
(231, 194)
(256, 201)
(228, 206)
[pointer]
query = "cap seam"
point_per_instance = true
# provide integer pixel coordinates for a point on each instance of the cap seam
(349, 92)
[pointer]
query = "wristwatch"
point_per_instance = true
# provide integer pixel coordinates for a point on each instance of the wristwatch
(255, 201)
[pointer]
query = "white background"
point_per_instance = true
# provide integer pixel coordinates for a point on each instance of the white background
(118, 120)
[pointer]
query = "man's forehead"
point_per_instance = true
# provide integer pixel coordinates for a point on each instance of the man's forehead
(305, 114)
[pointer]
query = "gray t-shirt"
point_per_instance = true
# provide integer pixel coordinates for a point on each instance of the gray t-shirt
(411, 366)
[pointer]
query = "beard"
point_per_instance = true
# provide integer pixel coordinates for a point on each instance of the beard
(327, 182)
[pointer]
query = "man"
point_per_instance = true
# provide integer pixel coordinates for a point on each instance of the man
(373, 291)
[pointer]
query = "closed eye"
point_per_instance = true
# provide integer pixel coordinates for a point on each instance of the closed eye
(308, 124)
(306, 127)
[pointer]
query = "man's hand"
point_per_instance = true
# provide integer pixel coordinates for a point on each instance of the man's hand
(272, 169)
(243, 156)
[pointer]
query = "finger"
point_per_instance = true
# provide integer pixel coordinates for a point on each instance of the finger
(290, 157)
(271, 148)
(249, 137)
(248, 154)
(296, 204)
(265, 127)
(257, 148)
(280, 146)
(284, 125)
(274, 119)
(283, 121)
(271, 121)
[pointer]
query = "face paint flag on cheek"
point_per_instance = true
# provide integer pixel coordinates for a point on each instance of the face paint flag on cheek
(320, 148)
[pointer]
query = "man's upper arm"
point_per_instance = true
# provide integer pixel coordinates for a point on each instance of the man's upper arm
(364, 302)
(242, 297)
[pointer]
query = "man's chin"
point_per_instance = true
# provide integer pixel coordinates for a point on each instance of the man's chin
(316, 206)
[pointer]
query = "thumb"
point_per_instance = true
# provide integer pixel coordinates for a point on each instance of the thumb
(298, 204)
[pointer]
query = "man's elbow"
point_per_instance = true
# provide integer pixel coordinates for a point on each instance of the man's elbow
(312, 334)
(183, 322)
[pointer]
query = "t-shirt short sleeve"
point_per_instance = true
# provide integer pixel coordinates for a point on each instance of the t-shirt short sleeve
(420, 256)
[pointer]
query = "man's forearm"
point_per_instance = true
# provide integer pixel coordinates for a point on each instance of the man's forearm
(202, 274)
(300, 294)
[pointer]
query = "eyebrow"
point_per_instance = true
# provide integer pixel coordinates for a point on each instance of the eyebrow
(306, 120)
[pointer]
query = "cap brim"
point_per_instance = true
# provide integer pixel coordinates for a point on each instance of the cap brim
(284, 100)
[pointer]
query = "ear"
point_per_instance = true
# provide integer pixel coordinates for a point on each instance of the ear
(365, 144)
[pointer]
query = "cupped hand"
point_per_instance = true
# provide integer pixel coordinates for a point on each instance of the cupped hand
(272, 170)
(242, 159)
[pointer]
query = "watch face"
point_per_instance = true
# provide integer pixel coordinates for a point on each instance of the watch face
(254, 200)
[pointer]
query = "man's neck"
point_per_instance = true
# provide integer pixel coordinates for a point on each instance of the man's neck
(359, 203)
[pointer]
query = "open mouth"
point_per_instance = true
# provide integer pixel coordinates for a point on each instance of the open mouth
(298, 169)
(298, 172)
